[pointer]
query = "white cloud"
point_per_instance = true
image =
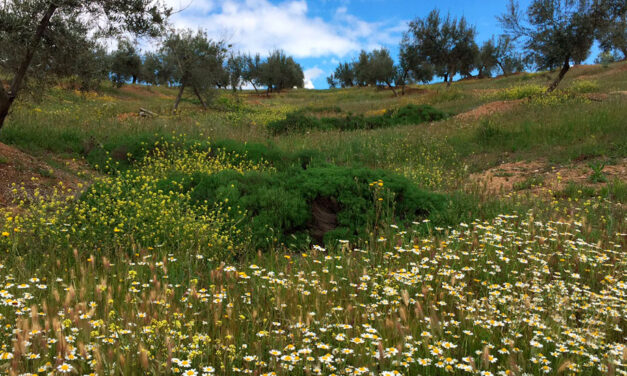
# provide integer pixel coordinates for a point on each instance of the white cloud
(189, 6)
(310, 75)
(313, 73)
(309, 84)
(261, 26)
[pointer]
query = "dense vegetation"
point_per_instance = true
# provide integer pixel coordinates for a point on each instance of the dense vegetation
(318, 229)
(475, 227)
(319, 204)
(300, 121)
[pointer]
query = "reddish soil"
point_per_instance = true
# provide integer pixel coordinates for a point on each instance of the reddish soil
(515, 176)
(18, 169)
(488, 109)
(144, 91)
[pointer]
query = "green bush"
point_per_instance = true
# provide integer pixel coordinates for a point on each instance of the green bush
(319, 204)
(119, 155)
(299, 121)
(323, 109)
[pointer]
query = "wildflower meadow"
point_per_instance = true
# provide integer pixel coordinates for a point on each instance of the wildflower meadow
(208, 243)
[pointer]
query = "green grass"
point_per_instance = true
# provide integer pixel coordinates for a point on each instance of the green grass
(192, 245)
(529, 183)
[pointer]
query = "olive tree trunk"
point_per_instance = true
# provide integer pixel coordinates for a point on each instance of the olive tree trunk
(392, 87)
(178, 97)
(5, 104)
(8, 97)
(560, 76)
(202, 101)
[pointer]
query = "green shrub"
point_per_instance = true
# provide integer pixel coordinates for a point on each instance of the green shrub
(294, 206)
(299, 121)
(597, 175)
(414, 114)
(295, 122)
(323, 109)
(119, 154)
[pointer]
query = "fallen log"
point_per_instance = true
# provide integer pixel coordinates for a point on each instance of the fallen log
(145, 113)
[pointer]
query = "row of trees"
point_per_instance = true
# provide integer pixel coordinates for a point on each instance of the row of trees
(45, 38)
(433, 46)
(192, 60)
(188, 60)
(551, 34)
(42, 41)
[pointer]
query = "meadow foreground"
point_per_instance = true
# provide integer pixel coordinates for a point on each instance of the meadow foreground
(488, 242)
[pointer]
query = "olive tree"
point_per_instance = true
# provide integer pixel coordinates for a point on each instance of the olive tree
(382, 68)
(555, 32)
(411, 67)
(235, 66)
(280, 71)
(499, 55)
(251, 70)
(126, 64)
(445, 44)
(345, 74)
(31, 32)
(612, 33)
(196, 62)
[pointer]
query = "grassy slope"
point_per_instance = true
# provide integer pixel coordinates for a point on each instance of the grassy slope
(439, 156)
(131, 279)
(65, 121)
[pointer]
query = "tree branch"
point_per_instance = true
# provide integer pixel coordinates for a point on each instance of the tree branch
(30, 51)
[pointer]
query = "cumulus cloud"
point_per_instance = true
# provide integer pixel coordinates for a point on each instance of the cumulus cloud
(310, 75)
(261, 26)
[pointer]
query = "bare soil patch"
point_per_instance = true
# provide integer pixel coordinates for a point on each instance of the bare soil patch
(127, 115)
(538, 175)
(18, 169)
(597, 97)
(488, 109)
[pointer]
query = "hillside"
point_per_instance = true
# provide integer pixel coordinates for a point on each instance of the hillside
(473, 229)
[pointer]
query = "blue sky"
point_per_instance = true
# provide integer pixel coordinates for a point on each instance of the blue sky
(319, 34)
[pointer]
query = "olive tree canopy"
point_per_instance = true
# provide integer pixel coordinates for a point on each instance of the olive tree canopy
(195, 62)
(34, 34)
(557, 32)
